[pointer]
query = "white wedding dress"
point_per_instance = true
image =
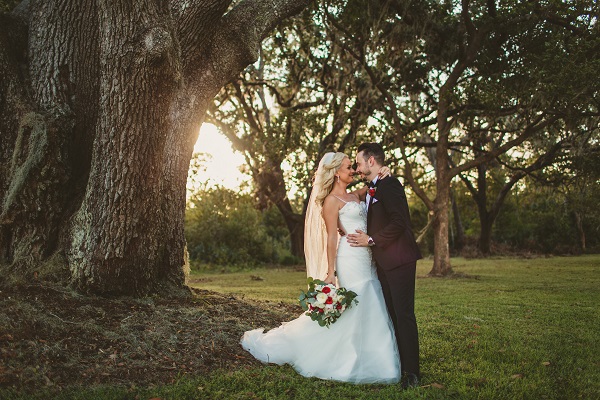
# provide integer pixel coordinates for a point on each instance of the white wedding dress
(360, 346)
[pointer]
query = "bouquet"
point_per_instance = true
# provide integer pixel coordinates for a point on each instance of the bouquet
(324, 302)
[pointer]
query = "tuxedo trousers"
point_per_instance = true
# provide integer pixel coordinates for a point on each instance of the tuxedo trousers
(398, 286)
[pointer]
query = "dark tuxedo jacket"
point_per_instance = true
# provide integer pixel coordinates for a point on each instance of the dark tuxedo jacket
(388, 223)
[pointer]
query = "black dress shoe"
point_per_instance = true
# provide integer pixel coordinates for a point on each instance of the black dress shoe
(409, 380)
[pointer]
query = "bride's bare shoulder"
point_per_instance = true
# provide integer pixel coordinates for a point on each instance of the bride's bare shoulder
(332, 202)
(330, 207)
(328, 201)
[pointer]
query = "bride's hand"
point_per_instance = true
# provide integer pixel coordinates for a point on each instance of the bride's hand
(330, 278)
(384, 172)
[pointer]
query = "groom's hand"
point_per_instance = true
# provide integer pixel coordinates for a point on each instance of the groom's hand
(358, 239)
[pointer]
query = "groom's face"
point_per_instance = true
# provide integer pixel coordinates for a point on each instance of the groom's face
(362, 166)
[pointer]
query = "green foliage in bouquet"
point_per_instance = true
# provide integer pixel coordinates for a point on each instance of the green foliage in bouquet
(324, 302)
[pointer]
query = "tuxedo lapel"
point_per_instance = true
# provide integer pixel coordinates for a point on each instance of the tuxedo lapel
(369, 212)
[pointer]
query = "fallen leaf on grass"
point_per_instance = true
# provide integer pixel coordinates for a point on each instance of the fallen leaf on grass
(517, 376)
(434, 385)
(546, 363)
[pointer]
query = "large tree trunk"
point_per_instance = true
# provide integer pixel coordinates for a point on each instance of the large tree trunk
(485, 236)
(97, 137)
(295, 226)
(486, 220)
(460, 239)
(117, 232)
(441, 256)
(270, 187)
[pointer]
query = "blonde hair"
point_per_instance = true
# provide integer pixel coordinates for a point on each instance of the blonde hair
(325, 175)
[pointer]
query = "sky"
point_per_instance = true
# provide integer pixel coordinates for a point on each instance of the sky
(222, 167)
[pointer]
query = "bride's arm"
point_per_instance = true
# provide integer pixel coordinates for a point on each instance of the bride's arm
(330, 215)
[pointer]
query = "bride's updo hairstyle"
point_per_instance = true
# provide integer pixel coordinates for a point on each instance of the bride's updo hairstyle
(325, 174)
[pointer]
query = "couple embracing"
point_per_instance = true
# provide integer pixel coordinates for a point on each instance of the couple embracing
(363, 239)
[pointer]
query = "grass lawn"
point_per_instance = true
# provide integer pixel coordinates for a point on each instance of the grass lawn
(499, 329)
(503, 328)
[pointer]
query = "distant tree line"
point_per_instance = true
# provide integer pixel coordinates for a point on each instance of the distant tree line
(224, 228)
(488, 111)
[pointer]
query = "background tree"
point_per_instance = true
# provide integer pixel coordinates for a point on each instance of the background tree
(444, 68)
(302, 99)
(101, 106)
(574, 180)
(494, 180)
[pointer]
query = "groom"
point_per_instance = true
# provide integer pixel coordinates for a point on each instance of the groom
(395, 252)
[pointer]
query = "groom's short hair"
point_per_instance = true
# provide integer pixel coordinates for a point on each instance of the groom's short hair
(373, 150)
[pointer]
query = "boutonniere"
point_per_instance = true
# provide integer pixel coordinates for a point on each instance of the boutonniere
(372, 191)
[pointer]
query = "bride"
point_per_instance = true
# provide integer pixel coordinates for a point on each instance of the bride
(360, 346)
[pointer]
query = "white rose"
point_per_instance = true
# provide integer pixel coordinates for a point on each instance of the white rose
(321, 297)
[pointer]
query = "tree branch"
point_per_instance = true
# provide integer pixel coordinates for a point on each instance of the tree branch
(250, 113)
(529, 131)
(251, 21)
(556, 20)
(286, 103)
(236, 41)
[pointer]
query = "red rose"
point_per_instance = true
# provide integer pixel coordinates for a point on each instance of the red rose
(326, 289)
(338, 306)
(321, 310)
(372, 191)
(329, 300)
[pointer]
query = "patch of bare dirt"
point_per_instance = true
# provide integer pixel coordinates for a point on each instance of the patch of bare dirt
(50, 336)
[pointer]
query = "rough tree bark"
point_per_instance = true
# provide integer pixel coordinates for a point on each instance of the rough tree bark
(99, 113)
(460, 239)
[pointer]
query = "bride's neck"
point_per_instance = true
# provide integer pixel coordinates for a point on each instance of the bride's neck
(338, 189)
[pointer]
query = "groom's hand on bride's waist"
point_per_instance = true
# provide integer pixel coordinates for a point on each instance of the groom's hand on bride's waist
(358, 239)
